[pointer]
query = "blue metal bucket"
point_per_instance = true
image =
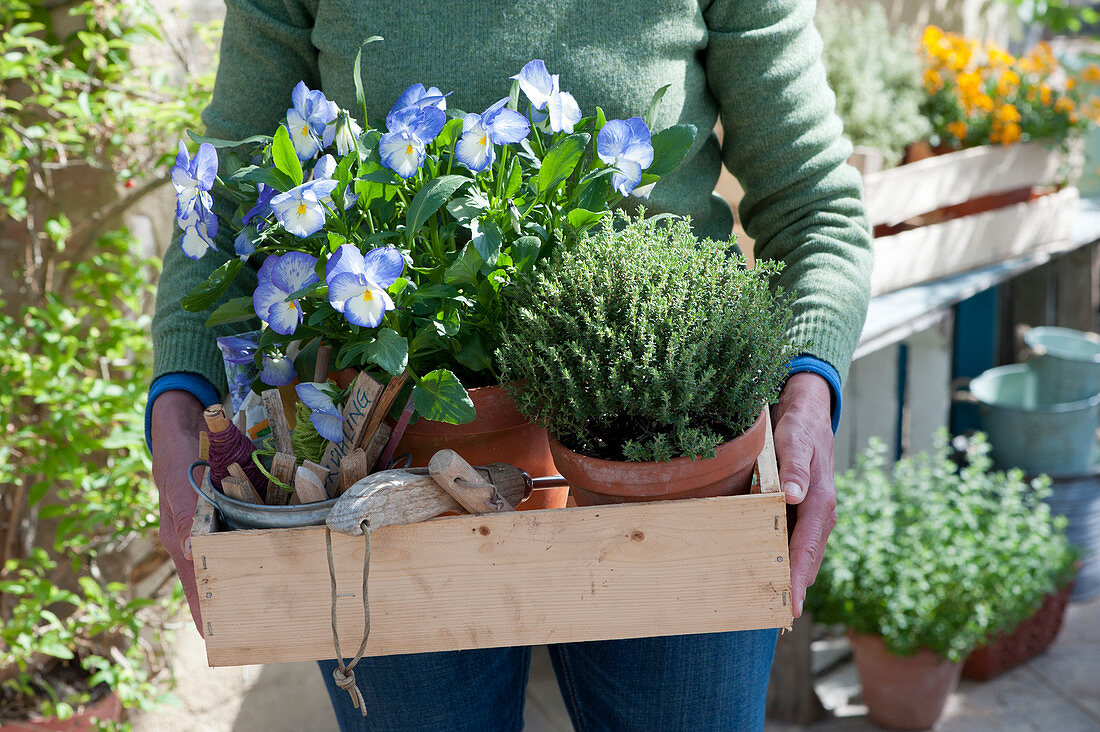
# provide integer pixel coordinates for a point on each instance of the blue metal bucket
(1066, 363)
(1037, 436)
(1077, 498)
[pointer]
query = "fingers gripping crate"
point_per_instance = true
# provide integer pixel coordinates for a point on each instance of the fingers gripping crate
(518, 578)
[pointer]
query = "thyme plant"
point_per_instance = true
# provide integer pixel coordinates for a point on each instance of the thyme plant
(643, 343)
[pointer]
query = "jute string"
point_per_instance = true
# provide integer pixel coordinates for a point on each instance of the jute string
(343, 675)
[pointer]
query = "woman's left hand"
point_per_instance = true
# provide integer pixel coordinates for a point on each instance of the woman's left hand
(804, 451)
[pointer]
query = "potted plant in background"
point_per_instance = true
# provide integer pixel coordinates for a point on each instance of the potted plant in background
(648, 356)
(928, 561)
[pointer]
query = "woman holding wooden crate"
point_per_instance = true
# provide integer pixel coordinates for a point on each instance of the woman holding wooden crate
(757, 67)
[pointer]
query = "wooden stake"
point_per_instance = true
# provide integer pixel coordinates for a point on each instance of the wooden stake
(276, 418)
(465, 485)
(282, 467)
(308, 487)
(237, 472)
(389, 394)
(377, 444)
(240, 489)
(358, 409)
(216, 421)
(353, 468)
(320, 368)
(204, 445)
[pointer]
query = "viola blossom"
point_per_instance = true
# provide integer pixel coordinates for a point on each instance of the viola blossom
(196, 240)
(347, 131)
(301, 210)
(418, 97)
(264, 194)
(325, 415)
(193, 178)
(311, 121)
(278, 278)
(404, 146)
(625, 145)
(324, 170)
(357, 284)
(278, 370)
(481, 132)
(546, 96)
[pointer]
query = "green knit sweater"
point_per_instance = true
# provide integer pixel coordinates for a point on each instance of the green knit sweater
(754, 63)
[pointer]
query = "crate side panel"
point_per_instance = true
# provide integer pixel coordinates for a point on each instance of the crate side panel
(624, 571)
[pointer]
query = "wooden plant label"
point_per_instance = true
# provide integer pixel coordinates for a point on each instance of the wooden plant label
(357, 413)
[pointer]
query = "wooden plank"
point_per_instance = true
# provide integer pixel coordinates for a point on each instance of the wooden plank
(518, 578)
(1075, 290)
(900, 193)
(872, 407)
(928, 386)
(276, 419)
(935, 251)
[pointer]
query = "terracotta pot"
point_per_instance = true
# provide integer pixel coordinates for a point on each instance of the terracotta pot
(499, 434)
(107, 708)
(902, 692)
(596, 482)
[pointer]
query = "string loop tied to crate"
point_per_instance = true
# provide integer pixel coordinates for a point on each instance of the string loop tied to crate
(343, 674)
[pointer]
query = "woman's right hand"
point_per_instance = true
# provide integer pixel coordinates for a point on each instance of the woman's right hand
(176, 421)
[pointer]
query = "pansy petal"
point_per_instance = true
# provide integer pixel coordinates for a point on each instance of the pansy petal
(194, 244)
(325, 167)
(299, 97)
(366, 310)
(564, 112)
(400, 154)
(242, 244)
(206, 165)
(627, 177)
(316, 396)
(293, 271)
(612, 139)
(183, 158)
(535, 82)
(301, 135)
(409, 97)
(346, 258)
(345, 286)
(383, 266)
(328, 426)
(507, 126)
(283, 317)
(470, 122)
(429, 124)
(319, 188)
(277, 371)
(475, 151)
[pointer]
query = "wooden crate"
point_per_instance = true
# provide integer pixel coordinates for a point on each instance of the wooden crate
(522, 578)
(935, 250)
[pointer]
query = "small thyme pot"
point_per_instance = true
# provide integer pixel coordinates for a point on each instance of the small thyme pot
(648, 356)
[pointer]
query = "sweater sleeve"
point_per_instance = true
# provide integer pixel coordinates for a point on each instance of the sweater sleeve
(783, 142)
(266, 50)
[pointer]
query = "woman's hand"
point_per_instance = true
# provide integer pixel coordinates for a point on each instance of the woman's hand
(177, 419)
(804, 450)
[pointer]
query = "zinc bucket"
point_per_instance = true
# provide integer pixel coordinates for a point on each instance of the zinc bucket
(1066, 363)
(1056, 438)
(1077, 497)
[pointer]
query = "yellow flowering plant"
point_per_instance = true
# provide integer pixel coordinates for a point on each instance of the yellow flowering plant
(979, 94)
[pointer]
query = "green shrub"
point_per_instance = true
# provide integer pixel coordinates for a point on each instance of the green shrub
(876, 74)
(646, 344)
(930, 555)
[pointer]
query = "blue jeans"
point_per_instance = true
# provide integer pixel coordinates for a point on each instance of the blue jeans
(715, 681)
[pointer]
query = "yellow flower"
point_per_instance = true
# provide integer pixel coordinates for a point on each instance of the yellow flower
(933, 82)
(1008, 82)
(1092, 110)
(932, 37)
(1011, 133)
(1091, 73)
(1044, 95)
(998, 56)
(984, 103)
(957, 129)
(1065, 104)
(1006, 113)
(1071, 84)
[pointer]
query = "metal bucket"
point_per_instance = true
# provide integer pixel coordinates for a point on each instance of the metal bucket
(1066, 363)
(1078, 499)
(240, 515)
(1056, 438)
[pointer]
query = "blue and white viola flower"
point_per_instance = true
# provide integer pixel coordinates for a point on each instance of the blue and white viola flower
(264, 194)
(193, 178)
(347, 131)
(301, 210)
(543, 90)
(279, 277)
(196, 240)
(325, 415)
(481, 132)
(404, 147)
(311, 121)
(418, 97)
(357, 283)
(278, 370)
(324, 170)
(626, 145)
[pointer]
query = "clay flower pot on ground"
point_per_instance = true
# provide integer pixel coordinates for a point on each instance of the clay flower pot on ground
(932, 556)
(648, 356)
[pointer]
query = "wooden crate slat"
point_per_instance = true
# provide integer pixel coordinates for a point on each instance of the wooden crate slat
(523, 578)
(939, 250)
(900, 193)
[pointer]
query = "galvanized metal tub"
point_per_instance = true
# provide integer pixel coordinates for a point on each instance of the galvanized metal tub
(1056, 438)
(240, 515)
(1077, 498)
(1066, 363)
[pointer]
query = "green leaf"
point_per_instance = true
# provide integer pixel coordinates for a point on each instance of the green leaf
(514, 178)
(428, 200)
(232, 311)
(582, 219)
(654, 104)
(440, 397)
(486, 238)
(465, 208)
(218, 143)
(525, 250)
(54, 647)
(561, 161)
(357, 75)
(207, 293)
(473, 355)
(390, 351)
(284, 157)
(464, 270)
(270, 177)
(669, 148)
